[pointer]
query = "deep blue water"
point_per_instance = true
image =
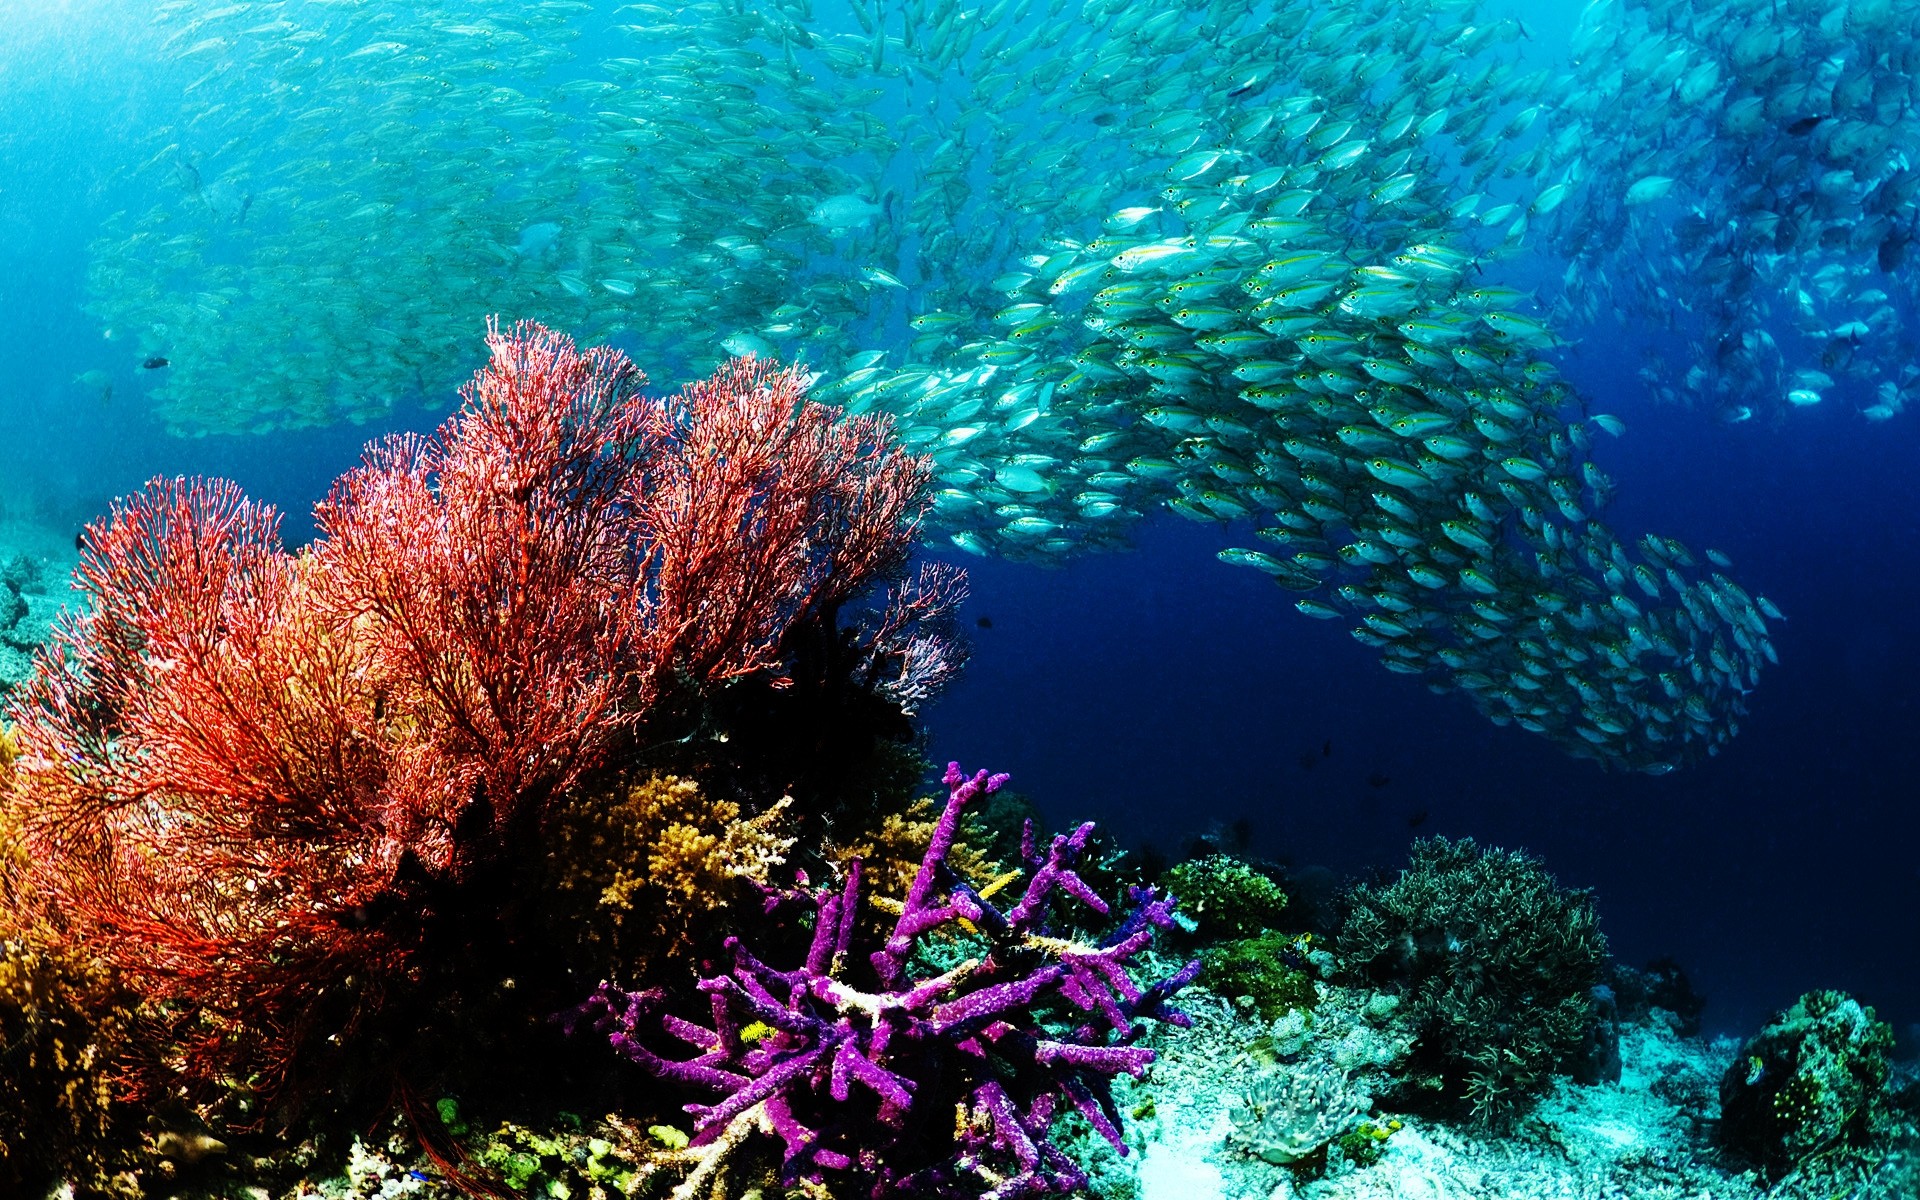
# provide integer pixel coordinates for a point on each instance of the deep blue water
(1158, 692)
(1163, 693)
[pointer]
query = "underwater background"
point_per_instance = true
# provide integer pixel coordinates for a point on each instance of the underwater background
(1153, 688)
(1149, 686)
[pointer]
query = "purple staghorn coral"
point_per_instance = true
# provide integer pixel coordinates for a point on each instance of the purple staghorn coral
(863, 1087)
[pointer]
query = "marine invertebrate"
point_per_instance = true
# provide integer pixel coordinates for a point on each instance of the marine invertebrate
(635, 867)
(63, 1019)
(1812, 1080)
(1269, 969)
(1288, 1114)
(1225, 897)
(1495, 964)
(25, 616)
(533, 578)
(1363, 1145)
(248, 777)
(890, 854)
(859, 1084)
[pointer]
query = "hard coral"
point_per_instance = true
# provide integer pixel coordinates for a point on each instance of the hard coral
(1813, 1080)
(61, 1021)
(1496, 965)
(889, 856)
(860, 1084)
(250, 780)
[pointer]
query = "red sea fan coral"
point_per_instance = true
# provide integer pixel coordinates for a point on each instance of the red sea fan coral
(499, 577)
(774, 514)
(240, 765)
(201, 779)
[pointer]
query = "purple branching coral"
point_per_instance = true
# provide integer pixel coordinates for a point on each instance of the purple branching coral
(863, 1087)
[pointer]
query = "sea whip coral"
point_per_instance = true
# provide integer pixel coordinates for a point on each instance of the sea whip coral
(861, 1086)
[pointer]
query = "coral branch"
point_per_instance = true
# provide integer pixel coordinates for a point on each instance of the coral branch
(852, 1081)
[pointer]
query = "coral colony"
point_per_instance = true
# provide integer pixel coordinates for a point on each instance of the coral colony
(308, 857)
(850, 1080)
(244, 769)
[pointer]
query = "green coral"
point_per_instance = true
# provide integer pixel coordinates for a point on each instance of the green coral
(1256, 967)
(564, 1162)
(1495, 964)
(1225, 897)
(1812, 1081)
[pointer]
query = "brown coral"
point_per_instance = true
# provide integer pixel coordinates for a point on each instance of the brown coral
(641, 864)
(61, 1021)
(890, 856)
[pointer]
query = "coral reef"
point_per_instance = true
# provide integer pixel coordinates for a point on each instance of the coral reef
(1363, 1145)
(26, 615)
(641, 871)
(62, 1020)
(1811, 1082)
(1496, 965)
(1287, 1115)
(1226, 897)
(259, 785)
(1662, 985)
(890, 855)
(1270, 970)
(859, 1086)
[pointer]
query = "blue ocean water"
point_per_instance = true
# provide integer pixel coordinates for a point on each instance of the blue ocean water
(1167, 695)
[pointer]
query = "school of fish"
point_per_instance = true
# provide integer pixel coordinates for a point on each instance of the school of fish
(1097, 257)
(1742, 173)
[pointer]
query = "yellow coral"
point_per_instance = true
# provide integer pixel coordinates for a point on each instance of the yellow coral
(61, 1020)
(890, 855)
(654, 856)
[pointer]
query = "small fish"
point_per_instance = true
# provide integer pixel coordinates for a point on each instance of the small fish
(845, 212)
(154, 363)
(1126, 218)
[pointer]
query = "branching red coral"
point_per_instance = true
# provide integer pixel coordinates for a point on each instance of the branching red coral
(498, 570)
(240, 766)
(774, 514)
(200, 775)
